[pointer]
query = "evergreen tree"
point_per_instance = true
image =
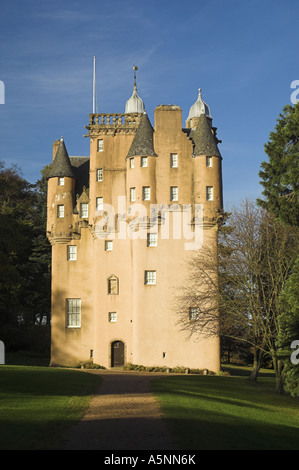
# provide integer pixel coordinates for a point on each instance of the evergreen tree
(280, 174)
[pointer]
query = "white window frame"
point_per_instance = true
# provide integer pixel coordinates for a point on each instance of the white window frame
(100, 145)
(150, 278)
(112, 317)
(108, 245)
(73, 313)
(60, 180)
(209, 161)
(132, 194)
(60, 211)
(72, 252)
(100, 174)
(193, 313)
(146, 193)
(100, 203)
(174, 193)
(210, 193)
(84, 210)
(152, 239)
(143, 162)
(131, 162)
(173, 160)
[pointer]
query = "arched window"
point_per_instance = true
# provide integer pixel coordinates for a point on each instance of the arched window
(113, 285)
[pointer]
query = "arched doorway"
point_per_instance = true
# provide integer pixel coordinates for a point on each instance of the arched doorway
(117, 354)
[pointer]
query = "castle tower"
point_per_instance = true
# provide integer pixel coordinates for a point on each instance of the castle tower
(61, 194)
(115, 267)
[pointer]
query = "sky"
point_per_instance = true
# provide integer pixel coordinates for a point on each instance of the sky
(243, 54)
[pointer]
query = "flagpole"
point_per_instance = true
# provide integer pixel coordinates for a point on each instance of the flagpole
(94, 86)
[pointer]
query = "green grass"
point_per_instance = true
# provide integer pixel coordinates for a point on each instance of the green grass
(39, 404)
(228, 413)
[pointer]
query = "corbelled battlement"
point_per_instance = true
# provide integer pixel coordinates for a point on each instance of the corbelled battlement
(113, 121)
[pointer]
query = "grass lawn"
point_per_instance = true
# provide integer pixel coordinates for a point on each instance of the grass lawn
(228, 413)
(39, 404)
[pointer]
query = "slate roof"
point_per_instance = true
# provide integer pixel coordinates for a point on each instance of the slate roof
(61, 165)
(205, 143)
(143, 142)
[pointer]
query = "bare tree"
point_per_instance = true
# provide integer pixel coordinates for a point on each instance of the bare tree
(233, 289)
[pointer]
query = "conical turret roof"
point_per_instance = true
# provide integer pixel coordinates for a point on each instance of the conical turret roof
(143, 142)
(205, 142)
(199, 108)
(135, 103)
(61, 165)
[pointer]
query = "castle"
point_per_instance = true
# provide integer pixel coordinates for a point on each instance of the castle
(122, 224)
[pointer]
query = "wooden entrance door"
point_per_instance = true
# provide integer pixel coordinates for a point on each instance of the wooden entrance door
(117, 354)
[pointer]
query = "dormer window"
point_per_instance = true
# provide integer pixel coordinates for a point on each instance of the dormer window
(84, 210)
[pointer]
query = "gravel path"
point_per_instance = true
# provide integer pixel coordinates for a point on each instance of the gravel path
(124, 415)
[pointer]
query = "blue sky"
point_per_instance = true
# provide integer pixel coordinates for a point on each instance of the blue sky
(243, 54)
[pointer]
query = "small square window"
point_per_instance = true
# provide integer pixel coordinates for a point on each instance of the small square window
(150, 278)
(61, 181)
(84, 210)
(173, 160)
(152, 239)
(108, 245)
(132, 194)
(112, 317)
(146, 193)
(100, 204)
(72, 252)
(174, 193)
(208, 161)
(100, 145)
(143, 161)
(131, 162)
(60, 211)
(100, 174)
(193, 313)
(210, 195)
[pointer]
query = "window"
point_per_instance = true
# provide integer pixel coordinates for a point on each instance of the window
(100, 174)
(173, 160)
(193, 313)
(143, 161)
(209, 193)
(100, 204)
(60, 211)
(113, 285)
(100, 145)
(174, 193)
(112, 317)
(132, 194)
(152, 239)
(72, 252)
(150, 278)
(84, 210)
(208, 161)
(61, 181)
(108, 245)
(146, 193)
(131, 162)
(73, 310)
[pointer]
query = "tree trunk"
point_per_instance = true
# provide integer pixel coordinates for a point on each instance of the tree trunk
(257, 361)
(278, 366)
